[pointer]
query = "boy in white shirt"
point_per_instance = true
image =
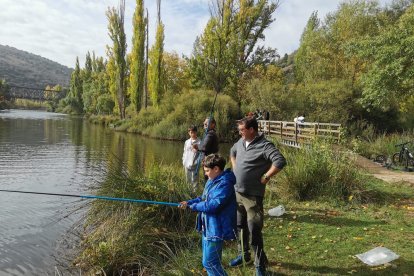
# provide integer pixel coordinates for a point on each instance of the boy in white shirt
(190, 157)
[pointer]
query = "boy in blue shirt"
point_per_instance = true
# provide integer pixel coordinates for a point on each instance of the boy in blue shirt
(216, 209)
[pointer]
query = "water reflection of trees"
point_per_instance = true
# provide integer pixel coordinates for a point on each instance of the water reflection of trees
(126, 151)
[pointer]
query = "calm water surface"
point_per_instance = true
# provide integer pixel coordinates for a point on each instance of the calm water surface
(55, 153)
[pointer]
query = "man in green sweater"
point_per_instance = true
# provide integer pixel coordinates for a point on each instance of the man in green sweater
(255, 160)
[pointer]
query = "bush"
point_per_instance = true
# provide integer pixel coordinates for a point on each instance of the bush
(176, 112)
(319, 171)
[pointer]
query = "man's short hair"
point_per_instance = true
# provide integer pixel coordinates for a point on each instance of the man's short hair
(211, 120)
(214, 159)
(249, 122)
(192, 128)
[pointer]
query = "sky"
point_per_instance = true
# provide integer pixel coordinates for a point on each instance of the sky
(62, 30)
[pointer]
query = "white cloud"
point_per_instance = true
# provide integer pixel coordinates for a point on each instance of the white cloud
(63, 29)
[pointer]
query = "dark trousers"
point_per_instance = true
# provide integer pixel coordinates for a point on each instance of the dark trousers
(250, 224)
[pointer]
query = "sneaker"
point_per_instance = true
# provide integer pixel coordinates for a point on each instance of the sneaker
(239, 260)
(260, 271)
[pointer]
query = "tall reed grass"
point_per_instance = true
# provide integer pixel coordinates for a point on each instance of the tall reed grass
(384, 144)
(321, 172)
(135, 237)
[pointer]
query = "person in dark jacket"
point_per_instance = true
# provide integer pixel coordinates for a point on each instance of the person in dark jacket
(210, 143)
(254, 160)
(216, 209)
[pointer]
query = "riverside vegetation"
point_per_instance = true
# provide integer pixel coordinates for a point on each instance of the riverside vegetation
(352, 67)
(334, 212)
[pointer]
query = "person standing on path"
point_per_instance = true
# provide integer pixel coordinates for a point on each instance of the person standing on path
(254, 160)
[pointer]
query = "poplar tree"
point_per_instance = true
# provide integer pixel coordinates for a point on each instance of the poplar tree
(76, 91)
(4, 88)
(137, 63)
(156, 74)
(88, 67)
(118, 52)
(228, 46)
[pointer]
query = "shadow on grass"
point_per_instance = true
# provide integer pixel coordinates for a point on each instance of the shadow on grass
(326, 219)
(400, 267)
(381, 197)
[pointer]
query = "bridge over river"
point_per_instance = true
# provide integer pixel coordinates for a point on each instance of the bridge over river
(32, 93)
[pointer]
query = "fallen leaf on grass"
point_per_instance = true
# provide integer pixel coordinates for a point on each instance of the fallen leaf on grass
(378, 268)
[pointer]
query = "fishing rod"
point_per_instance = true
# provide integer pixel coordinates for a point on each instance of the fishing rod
(97, 197)
(206, 131)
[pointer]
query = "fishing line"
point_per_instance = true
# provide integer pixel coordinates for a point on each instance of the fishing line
(97, 197)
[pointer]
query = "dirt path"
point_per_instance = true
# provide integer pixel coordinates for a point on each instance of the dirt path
(380, 172)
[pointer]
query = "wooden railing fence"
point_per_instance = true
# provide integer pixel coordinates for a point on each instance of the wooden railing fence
(299, 134)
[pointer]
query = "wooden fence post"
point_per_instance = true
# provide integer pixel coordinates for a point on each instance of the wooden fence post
(281, 130)
(296, 132)
(268, 127)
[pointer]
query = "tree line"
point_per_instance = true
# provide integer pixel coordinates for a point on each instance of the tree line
(353, 67)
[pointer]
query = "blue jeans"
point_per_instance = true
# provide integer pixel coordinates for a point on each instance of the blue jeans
(212, 257)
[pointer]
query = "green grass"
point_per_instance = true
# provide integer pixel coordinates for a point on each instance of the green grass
(323, 237)
(316, 238)
(319, 234)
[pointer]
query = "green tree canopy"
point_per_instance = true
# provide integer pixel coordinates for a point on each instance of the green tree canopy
(228, 45)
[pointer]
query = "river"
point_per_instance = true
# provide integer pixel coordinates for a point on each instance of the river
(55, 153)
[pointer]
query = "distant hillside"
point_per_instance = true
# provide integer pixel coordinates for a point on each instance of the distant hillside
(287, 63)
(25, 69)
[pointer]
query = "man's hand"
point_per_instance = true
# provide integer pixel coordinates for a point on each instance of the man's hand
(264, 180)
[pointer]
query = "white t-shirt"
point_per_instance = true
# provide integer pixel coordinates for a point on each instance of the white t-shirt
(190, 157)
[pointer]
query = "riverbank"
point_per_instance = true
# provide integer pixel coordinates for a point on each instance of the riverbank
(171, 119)
(343, 213)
